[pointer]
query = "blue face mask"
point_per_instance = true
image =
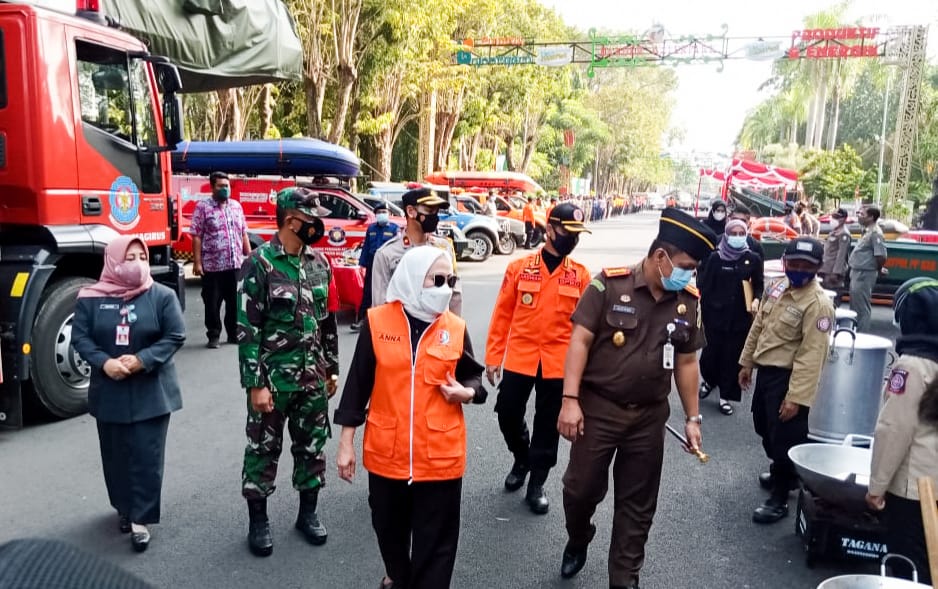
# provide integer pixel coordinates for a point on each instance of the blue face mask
(737, 242)
(799, 279)
(679, 278)
(383, 218)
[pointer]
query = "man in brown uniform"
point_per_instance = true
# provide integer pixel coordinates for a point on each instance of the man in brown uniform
(633, 328)
(836, 248)
(788, 343)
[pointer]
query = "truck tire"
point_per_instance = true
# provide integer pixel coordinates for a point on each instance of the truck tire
(506, 245)
(480, 246)
(59, 376)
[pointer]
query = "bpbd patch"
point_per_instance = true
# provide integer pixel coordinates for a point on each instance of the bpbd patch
(897, 381)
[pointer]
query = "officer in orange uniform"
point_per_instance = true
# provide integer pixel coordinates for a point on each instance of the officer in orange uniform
(529, 334)
(634, 329)
(527, 215)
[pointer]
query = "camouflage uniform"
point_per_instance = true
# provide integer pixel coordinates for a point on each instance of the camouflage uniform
(286, 341)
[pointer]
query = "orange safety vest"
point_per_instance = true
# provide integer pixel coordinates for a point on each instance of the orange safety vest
(531, 324)
(527, 213)
(411, 432)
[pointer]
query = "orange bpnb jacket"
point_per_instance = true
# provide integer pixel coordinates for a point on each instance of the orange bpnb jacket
(527, 213)
(531, 320)
(411, 432)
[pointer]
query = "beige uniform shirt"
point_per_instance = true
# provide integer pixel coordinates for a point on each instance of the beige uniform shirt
(868, 248)
(389, 256)
(835, 252)
(904, 448)
(792, 330)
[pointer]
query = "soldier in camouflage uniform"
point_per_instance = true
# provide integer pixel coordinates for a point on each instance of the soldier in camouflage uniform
(288, 353)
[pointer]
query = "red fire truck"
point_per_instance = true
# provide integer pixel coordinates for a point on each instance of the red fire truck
(84, 143)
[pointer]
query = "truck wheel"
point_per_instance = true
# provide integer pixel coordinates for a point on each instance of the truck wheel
(506, 245)
(480, 246)
(59, 376)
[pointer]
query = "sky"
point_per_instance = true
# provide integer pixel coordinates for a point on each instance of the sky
(711, 105)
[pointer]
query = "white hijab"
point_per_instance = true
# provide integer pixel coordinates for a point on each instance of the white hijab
(406, 283)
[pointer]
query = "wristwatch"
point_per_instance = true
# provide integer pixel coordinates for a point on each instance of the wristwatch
(698, 419)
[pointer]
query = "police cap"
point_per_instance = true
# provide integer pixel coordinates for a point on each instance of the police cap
(569, 216)
(804, 248)
(425, 197)
(299, 198)
(686, 233)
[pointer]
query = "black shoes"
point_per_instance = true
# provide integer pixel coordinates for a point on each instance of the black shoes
(140, 540)
(123, 524)
(515, 478)
(633, 584)
(574, 558)
(704, 390)
(212, 343)
(770, 512)
(536, 499)
(307, 521)
(260, 541)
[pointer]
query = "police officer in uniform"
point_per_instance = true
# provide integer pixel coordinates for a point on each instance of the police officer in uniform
(633, 329)
(788, 344)
(866, 263)
(836, 248)
(378, 234)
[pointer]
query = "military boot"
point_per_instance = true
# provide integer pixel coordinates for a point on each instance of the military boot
(307, 521)
(259, 539)
(535, 497)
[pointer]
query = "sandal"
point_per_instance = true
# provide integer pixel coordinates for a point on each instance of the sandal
(704, 391)
(726, 408)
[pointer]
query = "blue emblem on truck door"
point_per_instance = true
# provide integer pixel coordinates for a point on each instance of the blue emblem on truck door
(124, 201)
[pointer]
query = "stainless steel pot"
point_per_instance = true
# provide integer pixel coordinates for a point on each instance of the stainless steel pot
(851, 390)
(845, 318)
(838, 474)
(874, 582)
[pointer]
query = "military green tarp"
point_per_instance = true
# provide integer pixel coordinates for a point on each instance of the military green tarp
(216, 43)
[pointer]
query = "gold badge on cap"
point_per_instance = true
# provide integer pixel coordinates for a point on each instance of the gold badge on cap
(527, 298)
(681, 309)
(618, 339)
(625, 298)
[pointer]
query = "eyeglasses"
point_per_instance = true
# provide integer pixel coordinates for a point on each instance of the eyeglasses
(440, 279)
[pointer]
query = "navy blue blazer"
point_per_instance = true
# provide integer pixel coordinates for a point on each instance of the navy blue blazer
(157, 330)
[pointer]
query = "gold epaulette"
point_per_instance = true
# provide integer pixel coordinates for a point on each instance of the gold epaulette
(617, 272)
(692, 290)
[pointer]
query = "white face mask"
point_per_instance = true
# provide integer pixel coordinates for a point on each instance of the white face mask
(434, 300)
(719, 215)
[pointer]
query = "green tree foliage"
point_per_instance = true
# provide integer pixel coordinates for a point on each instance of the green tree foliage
(831, 176)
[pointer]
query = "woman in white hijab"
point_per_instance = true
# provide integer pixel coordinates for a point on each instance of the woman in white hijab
(413, 369)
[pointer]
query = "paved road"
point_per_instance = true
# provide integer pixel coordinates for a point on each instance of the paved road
(703, 537)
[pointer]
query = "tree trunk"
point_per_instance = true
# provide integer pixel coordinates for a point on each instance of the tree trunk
(315, 95)
(384, 146)
(356, 109)
(509, 159)
(231, 115)
(347, 77)
(267, 104)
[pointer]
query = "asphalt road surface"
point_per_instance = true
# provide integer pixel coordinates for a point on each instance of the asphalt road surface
(51, 486)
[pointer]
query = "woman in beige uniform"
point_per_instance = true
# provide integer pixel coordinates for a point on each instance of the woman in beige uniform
(906, 439)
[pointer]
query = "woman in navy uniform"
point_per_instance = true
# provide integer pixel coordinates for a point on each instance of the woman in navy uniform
(128, 328)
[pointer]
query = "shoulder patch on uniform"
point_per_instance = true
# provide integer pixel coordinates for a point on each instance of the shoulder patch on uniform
(617, 272)
(897, 380)
(824, 324)
(692, 290)
(598, 285)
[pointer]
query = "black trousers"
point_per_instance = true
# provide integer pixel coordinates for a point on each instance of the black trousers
(217, 288)
(778, 437)
(905, 535)
(132, 456)
(366, 297)
(417, 526)
(528, 234)
(719, 361)
(539, 451)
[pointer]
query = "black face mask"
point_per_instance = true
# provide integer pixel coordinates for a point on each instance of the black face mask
(428, 223)
(311, 231)
(564, 244)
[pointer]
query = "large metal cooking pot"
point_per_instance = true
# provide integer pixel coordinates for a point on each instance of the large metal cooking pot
(838, 474)
(845, 318)
(874, 582)
(851, 390)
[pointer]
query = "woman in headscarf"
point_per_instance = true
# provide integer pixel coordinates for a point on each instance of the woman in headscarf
(716, 220)
(905, 445)
(727, 279)
(413, 370)
(128, 329)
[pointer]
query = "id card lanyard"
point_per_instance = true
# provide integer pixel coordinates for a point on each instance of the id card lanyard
(667, 359)
(122, 332)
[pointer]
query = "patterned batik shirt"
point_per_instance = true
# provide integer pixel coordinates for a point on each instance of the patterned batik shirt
(221, 226)
(282, 304)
